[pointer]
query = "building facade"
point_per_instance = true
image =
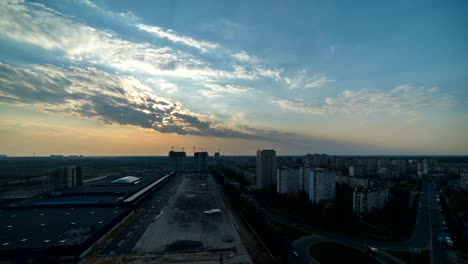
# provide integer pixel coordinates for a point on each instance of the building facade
(464, 181)
(367, 199)
(321, 185)
(288, 180)
(177, 160)
(64, 177)
(352, 181)
(266, 169)
(201, 161)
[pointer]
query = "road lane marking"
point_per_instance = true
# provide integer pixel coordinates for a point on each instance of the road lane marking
(121, 242)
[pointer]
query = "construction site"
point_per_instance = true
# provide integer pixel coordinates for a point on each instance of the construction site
(194, 226)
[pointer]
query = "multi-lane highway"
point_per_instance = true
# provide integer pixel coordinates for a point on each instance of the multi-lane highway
(438, 254)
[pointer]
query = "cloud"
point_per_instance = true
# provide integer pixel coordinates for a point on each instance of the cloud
(244, 57)
(122, 17)
(258, 68)
(91, 93)
(321, 81)
(296, 106)
(217, 89)
(169, 34)
(303, 80)
(38, 25)
(223, 28)
(403, 99)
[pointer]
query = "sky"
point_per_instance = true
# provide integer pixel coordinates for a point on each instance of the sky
(138, 77)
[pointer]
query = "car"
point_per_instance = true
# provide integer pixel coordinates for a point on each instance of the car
(449, 241)
(295, 254)
(442, 241)
(372, 249)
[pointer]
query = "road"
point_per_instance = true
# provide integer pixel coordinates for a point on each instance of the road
(151, 208)
(424, 237)
(438, 255)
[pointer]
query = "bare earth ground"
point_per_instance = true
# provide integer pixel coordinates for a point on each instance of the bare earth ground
(184, 233)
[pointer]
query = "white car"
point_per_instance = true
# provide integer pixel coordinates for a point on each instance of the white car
(373, 249)
(449, 241)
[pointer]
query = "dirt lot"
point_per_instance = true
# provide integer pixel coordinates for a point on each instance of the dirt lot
(183, 227)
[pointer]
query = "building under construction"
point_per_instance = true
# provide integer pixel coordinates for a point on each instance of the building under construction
(64, 177)
(177, 160)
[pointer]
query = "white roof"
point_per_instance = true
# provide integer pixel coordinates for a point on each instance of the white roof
(126, 179)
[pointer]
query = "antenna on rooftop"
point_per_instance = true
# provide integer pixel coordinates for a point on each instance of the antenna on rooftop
(172, 148)
(193, 150)
(183, 149)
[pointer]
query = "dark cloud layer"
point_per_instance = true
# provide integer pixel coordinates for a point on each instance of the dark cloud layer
(91, 93)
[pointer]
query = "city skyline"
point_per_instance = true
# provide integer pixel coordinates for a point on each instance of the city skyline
(127, 79)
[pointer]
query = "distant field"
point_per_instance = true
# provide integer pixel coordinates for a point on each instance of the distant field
(27, 168)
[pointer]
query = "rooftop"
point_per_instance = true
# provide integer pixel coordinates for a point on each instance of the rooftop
(114, 186)
(126, 180)
(47, 227)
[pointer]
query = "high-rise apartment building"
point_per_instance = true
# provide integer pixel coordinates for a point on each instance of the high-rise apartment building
(317, 160)
(218, 159)
(367, 199)
(289, 180)
(464, 181)
(266, 169)
(353, 182)
(64, 177)
(305, 178)
(321, 185)
(177, 160)
(201, 161)
(358, 171)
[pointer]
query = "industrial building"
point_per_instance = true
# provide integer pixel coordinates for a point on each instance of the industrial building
(63, 226)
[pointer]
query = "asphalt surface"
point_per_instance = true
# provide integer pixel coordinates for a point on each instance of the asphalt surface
(438, 254)
(145, 214)
(427, 228)
(184, 220)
